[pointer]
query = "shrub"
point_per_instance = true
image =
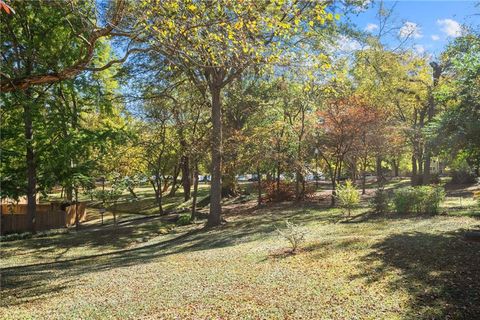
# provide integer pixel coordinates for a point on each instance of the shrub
(184, 220)
(293, 233)
(380, 202)
(421, 199)
(403, 200)
(285, 192)
(348, 196)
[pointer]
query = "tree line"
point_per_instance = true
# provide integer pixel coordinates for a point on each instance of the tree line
(169, 90)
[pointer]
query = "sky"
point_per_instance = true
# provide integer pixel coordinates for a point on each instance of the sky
(430, 24)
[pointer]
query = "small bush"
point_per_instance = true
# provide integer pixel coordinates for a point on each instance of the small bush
(184, 220)
(421, 199)
(285, 191)
(294, 235)
(348, 196)
(380, 202)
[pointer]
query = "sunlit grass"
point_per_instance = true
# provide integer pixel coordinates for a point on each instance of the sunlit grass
(366, 266)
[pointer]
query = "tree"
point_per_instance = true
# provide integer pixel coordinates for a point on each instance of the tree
(456, 131)
(215, 43)
(50, 35)
(338, 130)
(43, 43)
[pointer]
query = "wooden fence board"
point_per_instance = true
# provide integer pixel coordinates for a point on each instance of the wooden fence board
(47, 216)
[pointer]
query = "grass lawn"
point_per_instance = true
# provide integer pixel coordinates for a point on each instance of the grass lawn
(363, 267)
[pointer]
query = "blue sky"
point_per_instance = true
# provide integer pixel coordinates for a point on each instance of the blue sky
(430, 24)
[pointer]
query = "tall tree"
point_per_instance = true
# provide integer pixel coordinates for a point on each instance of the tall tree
(215, 42)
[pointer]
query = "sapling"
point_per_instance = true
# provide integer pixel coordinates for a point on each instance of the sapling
(293, 233)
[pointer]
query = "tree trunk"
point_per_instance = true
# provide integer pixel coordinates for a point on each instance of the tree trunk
(132, 192)
(334, 191)
(31, 165)
(436, 73)
(176, 171)
(379, 171)
(426, 169)
(414, 170)
(216, 183)
(195, 192)
(77, 218)
(157, 186)
(364, 181)
(259, 177)
(299, 176)
(333, 175)
(395, 165)
(186, 183)
(278, 177)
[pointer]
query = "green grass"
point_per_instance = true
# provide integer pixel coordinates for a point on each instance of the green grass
(364, 267)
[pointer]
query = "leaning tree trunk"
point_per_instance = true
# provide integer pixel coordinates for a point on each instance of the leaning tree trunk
(216, 183)
(157, 187)
(31, 165)
(333, 175)
(173, 189)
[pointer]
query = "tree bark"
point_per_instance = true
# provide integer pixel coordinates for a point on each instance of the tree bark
(436, 72)
(334, 191)
(77, 217)
(364, 181)
(414, 170)
(195, 192)
(31, 165)
(216, 183)
(186, 183)
(259, 177)
(157, 187)
(173, 189)
(378, 167)
(278, 177)
(395, 165)
(132, 192)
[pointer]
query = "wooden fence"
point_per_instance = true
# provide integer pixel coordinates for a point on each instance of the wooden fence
(47, 216)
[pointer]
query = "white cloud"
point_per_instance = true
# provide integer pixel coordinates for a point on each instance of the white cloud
(410, 29)
(371, 27)
(419, 49)
(450, 27)
(348, 44)
(435, 37)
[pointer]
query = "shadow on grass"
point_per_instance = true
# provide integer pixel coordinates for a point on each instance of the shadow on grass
(440, 272)
(46, 279)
